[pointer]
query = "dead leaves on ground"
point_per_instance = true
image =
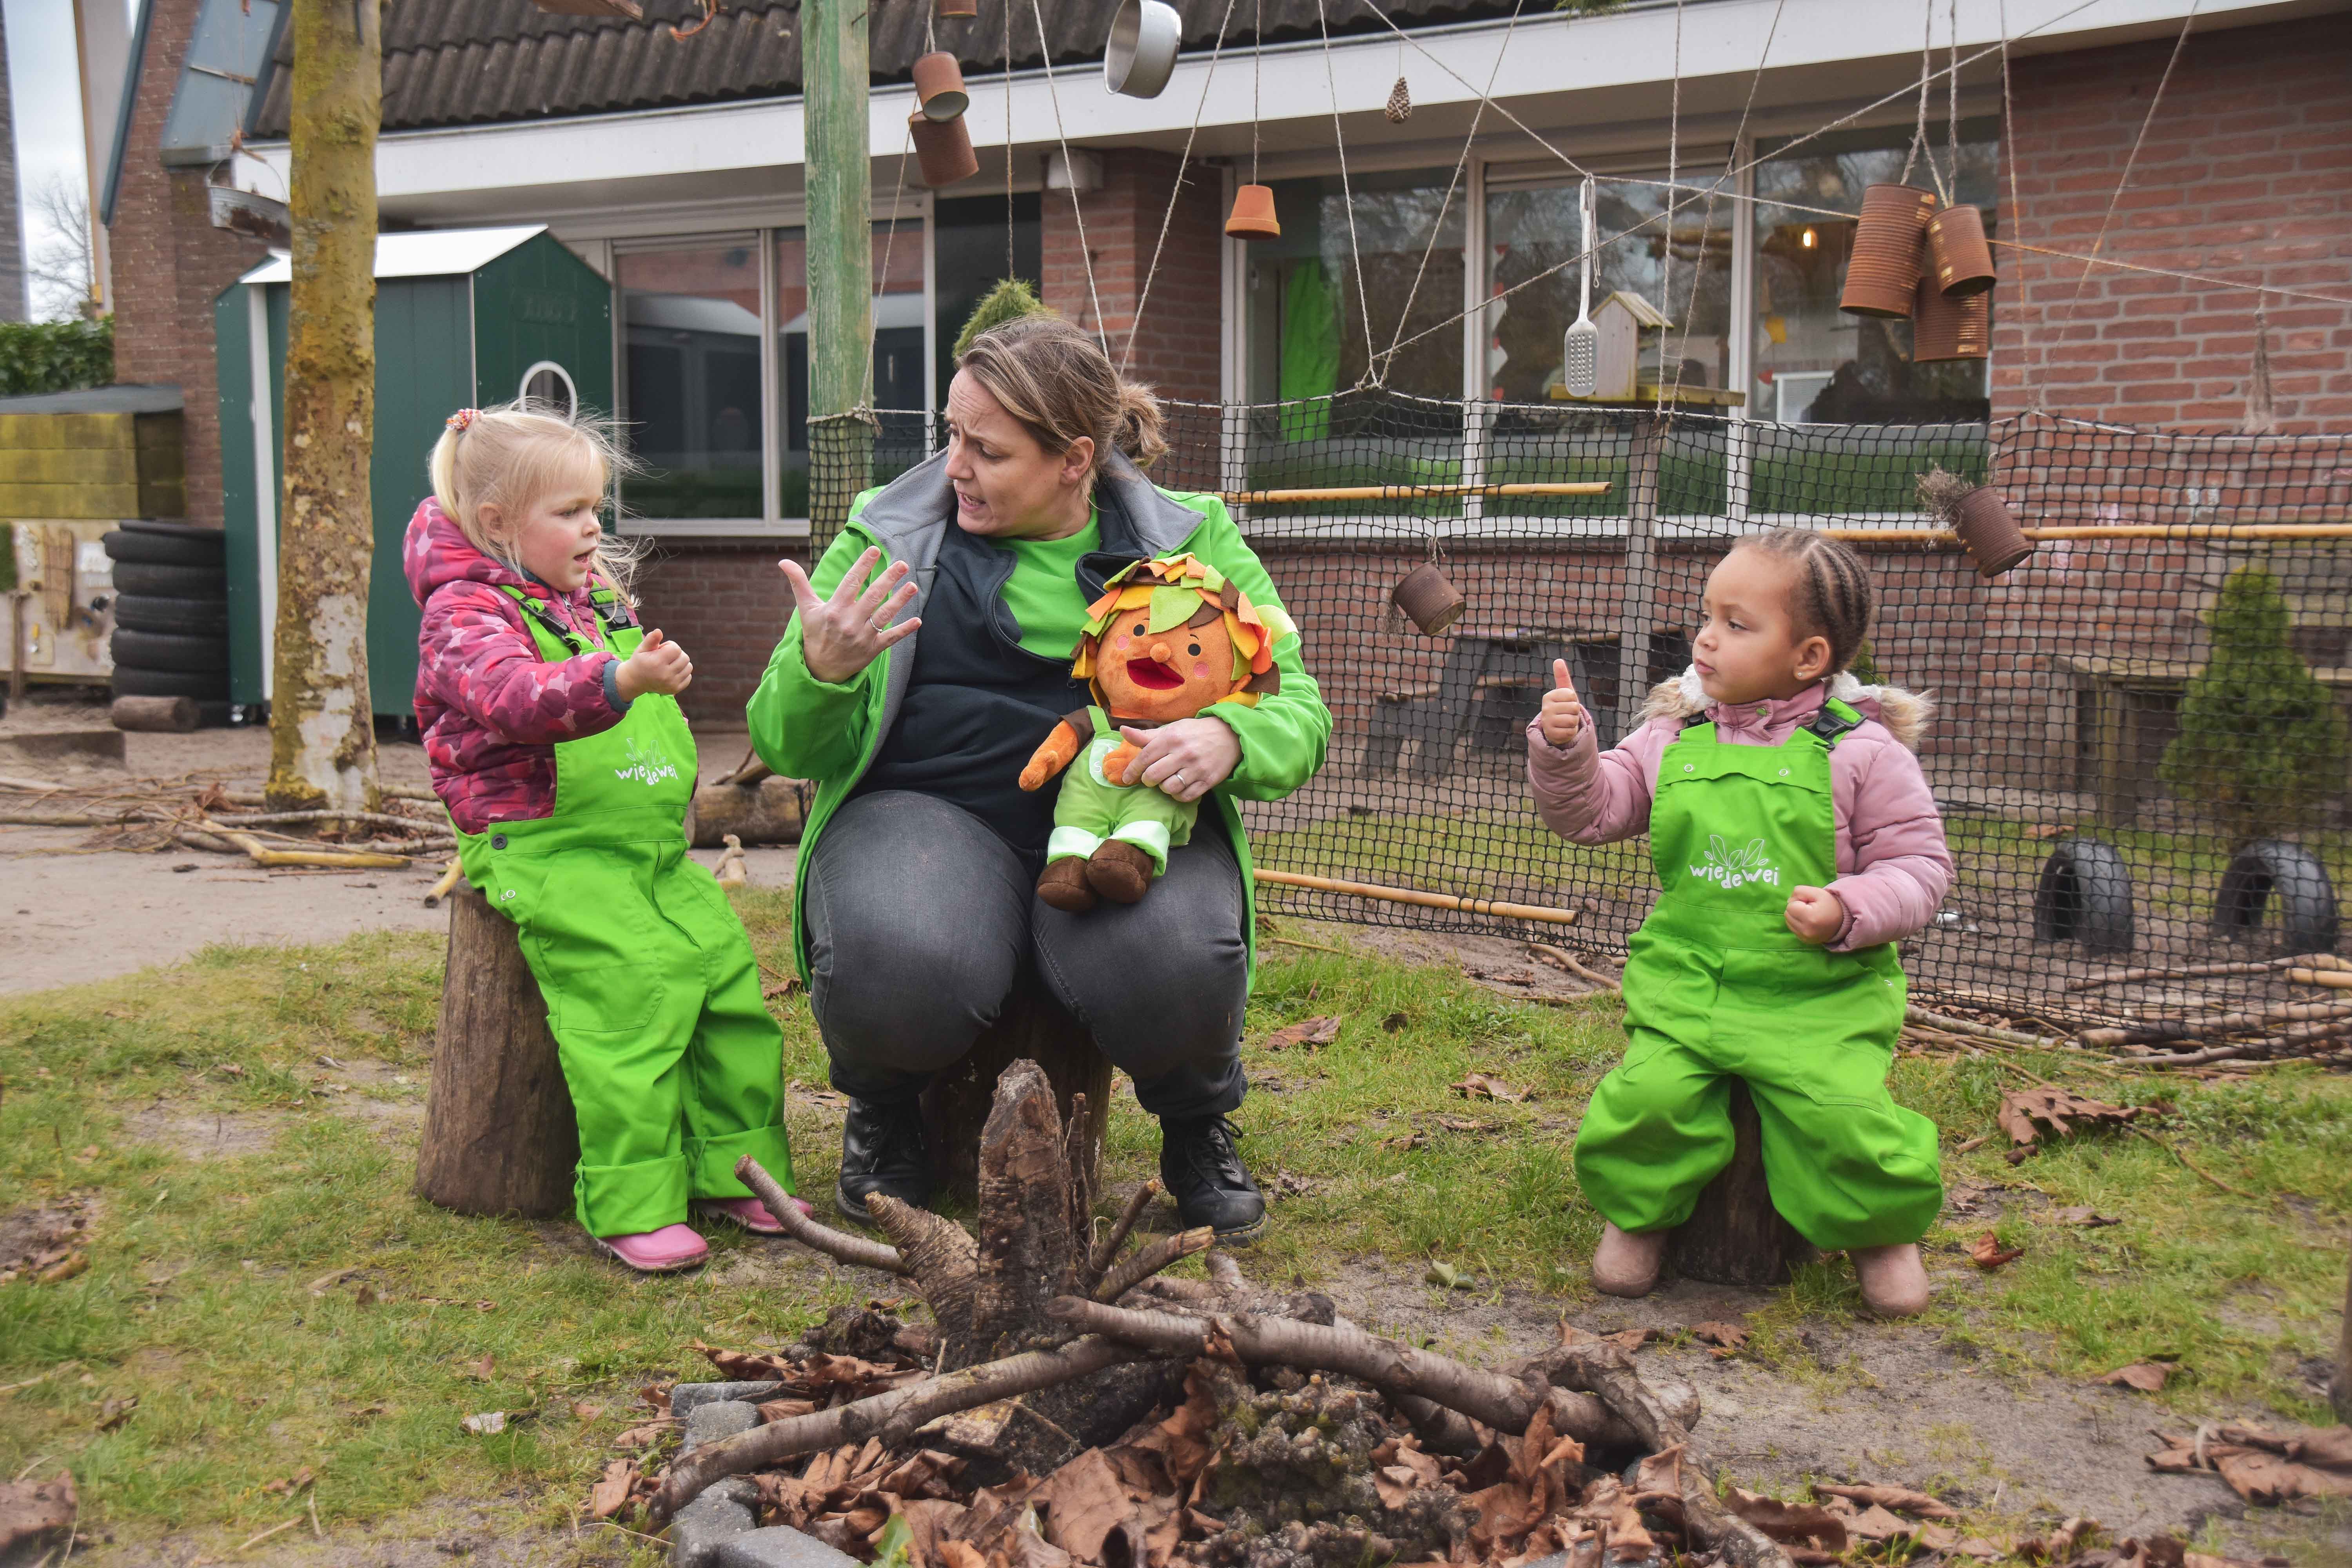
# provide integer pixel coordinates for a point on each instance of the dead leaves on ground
(1484, 1086)
(2025, 1113)
(2148, 1376)
(2262, 1466)
(1307, 1033)
(1989, 1254)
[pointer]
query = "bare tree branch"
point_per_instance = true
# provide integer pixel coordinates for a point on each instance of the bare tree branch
(833, 1244)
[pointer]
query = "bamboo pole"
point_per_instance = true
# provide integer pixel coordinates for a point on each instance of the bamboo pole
(1946, 537)
(1425, 900)
(1408, 492)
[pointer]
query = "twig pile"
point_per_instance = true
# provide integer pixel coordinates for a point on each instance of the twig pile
(152, 814)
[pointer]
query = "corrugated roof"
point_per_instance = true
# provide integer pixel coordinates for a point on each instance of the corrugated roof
(426, 253)
(458, 62)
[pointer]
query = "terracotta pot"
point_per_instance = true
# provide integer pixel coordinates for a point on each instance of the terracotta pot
(1430, 602)
(1989, 534)
(1946, 326)
(942, 149)
(1252, 217)
(939, 83)
(1958, 253)
(1884, 267)
(959, 8)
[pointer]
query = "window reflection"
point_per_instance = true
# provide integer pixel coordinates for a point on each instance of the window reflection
(1813, 363)
(1533, 232)
(898, 306)
(690, 333)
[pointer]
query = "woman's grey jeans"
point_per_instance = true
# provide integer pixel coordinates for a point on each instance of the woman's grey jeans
(921, 917)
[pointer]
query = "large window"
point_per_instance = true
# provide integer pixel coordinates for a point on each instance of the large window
(898, 338)
(1313, 327)
(690, 339)
(975, 242)
(1680, 264)
(1813, 362)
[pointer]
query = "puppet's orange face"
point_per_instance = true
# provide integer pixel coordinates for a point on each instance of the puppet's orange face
(1164, 675)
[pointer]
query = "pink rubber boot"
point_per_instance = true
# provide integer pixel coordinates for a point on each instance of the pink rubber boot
(664, 1251)
(1894, 1280)
(749, 1213)
(1626, 1263)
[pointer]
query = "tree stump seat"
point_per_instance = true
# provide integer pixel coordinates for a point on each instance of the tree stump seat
(1735, 1235)
(1033, 1026)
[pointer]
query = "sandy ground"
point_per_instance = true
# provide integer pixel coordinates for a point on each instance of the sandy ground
(72, 914)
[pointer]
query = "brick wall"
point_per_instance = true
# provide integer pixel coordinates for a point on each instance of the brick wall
(2245, 173)
(724, 602)
(169, 262)
(1177, 345)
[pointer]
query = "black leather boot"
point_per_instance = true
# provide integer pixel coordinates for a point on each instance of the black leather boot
(1203, 1172)
(882, 1150)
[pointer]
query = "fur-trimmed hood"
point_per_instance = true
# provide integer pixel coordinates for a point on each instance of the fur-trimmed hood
(1905, 714)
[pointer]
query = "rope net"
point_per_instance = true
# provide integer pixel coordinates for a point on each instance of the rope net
(2139, 742)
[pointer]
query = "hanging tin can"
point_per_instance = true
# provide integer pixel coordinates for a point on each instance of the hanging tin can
(942, 149)
(1252, 215)
(1958, 251)
(959, 9)
(1989, 532)
(1947, 326)
(1428, 600)
(1884, 267)
(939, 85)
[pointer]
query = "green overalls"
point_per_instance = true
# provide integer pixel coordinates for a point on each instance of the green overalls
(653, 994)
(1093, 807)
(1716, 985)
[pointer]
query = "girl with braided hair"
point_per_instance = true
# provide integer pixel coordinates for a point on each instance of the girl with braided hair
(1795, 841)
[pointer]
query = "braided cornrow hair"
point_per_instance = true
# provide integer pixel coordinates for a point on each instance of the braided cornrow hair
(1832, 596)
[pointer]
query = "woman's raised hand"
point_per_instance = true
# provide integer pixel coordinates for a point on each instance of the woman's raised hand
(840, 636)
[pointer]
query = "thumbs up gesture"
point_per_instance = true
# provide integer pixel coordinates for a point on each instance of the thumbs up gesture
(1562, 716)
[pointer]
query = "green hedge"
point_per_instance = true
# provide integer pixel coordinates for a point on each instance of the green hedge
(55, 356)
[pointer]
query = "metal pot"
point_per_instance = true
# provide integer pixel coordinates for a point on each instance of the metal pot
(942, 149)
(1884, 267)
(1140, 53)
(1252, 217)
(1958, 256)
(1989, 532)
(959, 8)
(1948, 326)
(1430, 602)
(939, 83)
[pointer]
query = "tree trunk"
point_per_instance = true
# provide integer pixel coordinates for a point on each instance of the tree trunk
(840, 263)
(2339, 1390)
(500, 1133)
(321, 722)
(1735, 1235)
(1035, 1028)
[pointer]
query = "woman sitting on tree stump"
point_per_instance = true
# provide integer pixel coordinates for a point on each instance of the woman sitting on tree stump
(918, 907)
(1795, 841)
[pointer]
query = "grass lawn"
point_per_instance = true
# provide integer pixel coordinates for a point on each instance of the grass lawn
(199, 1298)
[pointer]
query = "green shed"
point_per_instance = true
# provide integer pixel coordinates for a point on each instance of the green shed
(462, 318)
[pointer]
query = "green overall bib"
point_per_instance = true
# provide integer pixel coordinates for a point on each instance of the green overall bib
(653, 994)
(1718, 986)
(1093, 807)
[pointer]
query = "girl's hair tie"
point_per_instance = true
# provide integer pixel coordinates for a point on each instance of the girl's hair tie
(463, 417)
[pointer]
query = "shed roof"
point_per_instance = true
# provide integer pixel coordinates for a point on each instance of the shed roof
(456, 62)
(423, 253)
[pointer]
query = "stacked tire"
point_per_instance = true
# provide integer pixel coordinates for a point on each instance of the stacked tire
(171, 613)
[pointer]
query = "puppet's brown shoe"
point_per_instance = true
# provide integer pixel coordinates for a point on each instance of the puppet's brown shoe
(1064, 886)
(1119, 871)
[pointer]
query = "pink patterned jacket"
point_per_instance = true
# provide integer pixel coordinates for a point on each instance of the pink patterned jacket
(1893, 867)
(490, 707)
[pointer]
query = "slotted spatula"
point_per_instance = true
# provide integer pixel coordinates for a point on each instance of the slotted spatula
(1580, 348)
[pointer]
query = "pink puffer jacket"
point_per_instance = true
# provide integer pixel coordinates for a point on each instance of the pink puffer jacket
(1893, 864)
(490, 707)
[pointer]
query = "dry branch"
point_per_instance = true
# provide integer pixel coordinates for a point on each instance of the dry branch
(1416, 896)
(2334, 979)
(1606, 1371)
(892, 1417)
(2205, 1029)
(261, 854)
(837, 1245)
(941, 1257)
(2191, 971)
(1559, 958)
(443, 886)
(1398, 1370)
(1100, 1259)
(1151, 1259)
(1951, 1025)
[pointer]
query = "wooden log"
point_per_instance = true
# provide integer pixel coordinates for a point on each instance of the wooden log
(501, 1136)
(155, 715)
(769, 810)
(1735, 1235)
(2339, 1388)
(1033, 1027)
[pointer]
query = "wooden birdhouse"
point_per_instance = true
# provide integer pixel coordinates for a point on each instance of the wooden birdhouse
(1630, 331)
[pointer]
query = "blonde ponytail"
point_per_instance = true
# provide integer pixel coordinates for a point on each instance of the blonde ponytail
(1056, 379)
(515, 454)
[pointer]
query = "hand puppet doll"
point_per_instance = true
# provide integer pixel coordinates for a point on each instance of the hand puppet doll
(1170, 640)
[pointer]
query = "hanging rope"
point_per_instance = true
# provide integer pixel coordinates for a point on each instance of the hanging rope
(1176, 189)
(1952, 99)
(1347, 196)
(1077, 209)
(2124, 179)
(1730, 163)
(1011, 266)
(882, 284)
(1257, 83)
(1461, 166)
(1667, 241)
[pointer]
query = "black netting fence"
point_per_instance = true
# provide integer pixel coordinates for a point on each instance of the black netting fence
(2140, 741)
